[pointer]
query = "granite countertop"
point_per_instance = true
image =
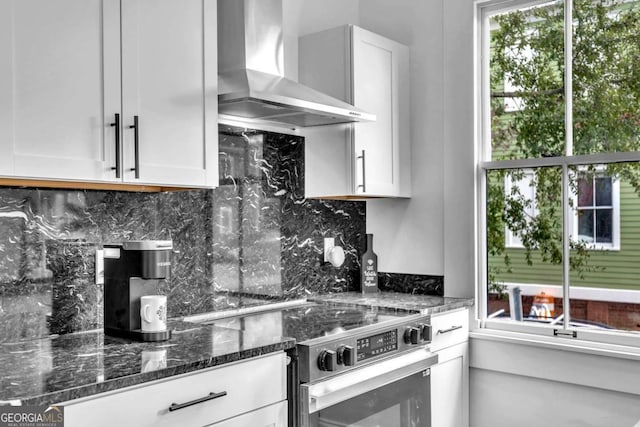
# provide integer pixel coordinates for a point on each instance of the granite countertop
(425, 304)
(69, 366)
(60, 368)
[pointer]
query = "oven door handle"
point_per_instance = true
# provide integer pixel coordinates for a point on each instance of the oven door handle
(340, 388)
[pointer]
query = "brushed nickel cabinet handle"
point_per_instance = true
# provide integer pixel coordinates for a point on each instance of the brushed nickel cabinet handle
(364, 175)
(451, 329)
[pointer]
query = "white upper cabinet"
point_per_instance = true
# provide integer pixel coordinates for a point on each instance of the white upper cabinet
(75, 68)
(370, 72)
(51, 88)
(169, 82)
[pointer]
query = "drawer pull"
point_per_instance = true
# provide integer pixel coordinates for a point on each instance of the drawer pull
(451, 329)
(211, 396)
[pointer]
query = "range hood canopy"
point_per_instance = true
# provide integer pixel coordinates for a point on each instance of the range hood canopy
(251, 82)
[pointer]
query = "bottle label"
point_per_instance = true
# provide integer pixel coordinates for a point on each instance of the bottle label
(370, 276)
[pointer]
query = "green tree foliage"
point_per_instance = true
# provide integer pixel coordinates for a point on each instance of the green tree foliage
(527, 49)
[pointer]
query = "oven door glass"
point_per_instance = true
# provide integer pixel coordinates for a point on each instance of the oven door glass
(403, 403)
(390, 392)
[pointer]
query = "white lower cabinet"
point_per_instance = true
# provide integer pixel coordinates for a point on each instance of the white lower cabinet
(450, 377)
(449, 386)
(251, 393)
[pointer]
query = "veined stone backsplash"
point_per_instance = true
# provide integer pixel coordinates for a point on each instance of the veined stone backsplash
(253, 237)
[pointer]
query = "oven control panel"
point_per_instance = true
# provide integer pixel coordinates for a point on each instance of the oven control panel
(327, 356)
(377, 345)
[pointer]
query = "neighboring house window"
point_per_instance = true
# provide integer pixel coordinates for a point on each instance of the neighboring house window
(512, 102)
(559, 157)
(597, 219)
(524, 188)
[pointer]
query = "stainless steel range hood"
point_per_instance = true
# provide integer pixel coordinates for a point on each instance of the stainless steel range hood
(251, 82)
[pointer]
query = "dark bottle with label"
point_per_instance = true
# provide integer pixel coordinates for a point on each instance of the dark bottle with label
(369, 268)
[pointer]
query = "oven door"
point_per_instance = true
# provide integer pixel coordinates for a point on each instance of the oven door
(393, 392)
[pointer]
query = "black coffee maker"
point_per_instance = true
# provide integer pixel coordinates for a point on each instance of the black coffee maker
(133, 269)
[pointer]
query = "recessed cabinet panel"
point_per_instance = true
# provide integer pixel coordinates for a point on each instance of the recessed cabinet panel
(374, 94)
(163, 85)
(447, 390)
(376, 79)
(51, 90)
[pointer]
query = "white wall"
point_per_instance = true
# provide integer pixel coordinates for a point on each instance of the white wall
(433, 232)
(505, 400)
(409, 234)
(526, 384)
(302, 17)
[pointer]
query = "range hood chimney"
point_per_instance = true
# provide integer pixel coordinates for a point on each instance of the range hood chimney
(251, 82)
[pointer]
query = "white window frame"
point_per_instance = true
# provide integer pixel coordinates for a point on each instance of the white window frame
(567, 161)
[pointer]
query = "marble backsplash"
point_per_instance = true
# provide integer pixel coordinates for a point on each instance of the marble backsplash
(253, 237)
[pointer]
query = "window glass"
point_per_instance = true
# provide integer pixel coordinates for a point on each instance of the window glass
(526, 82)
(524, 281)
(604, 287)
(606, 90)
(602, 190)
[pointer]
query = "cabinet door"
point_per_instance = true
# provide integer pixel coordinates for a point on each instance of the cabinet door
(380, 86)
(52, 90)
(372, 73)
(169, 82)
(449, 388)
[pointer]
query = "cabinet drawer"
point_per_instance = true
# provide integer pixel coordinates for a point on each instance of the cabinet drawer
(449, 329)
(249, 385)
(272, 416)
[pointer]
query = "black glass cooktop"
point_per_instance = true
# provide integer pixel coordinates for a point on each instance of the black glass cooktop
(310, 320)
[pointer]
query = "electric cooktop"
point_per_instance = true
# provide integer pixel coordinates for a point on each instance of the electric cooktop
(331, 337)
(309, 320)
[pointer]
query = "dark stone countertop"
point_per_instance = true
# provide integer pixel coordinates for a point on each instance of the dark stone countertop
(425, 304)
(65, 367)
(60, 368)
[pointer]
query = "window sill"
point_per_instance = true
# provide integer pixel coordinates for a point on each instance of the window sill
(564, 360)
(558, 343)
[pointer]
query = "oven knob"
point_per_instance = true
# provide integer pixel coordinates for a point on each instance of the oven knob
(425, 332)
(411, 335)
(327, 360)
(346, 355)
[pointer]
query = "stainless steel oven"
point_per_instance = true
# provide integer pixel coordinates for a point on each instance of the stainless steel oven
(373, 376)
(353, 364)
(391, 393)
